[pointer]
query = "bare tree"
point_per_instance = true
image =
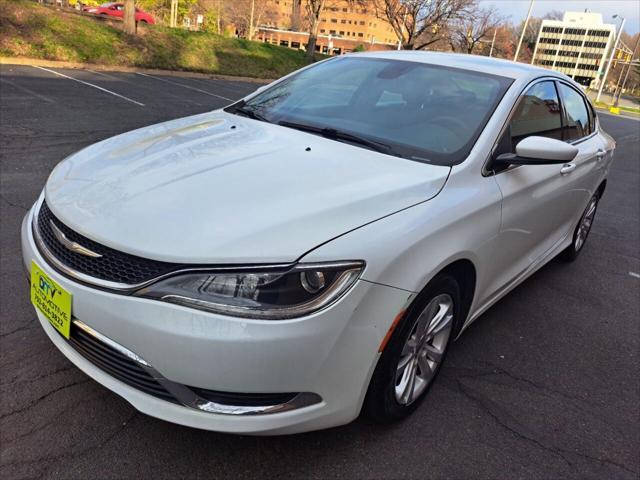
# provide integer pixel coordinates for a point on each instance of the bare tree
(246, 15)
(420, 23)
(468, 32)
(314, 9)
(129, 17)
(531, 34)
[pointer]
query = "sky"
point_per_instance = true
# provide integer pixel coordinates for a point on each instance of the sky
(517, 9)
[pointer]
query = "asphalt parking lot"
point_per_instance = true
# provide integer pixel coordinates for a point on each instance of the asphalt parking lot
(545, 385)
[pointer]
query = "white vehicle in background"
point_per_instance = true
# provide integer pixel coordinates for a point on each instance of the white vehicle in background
(312, 250)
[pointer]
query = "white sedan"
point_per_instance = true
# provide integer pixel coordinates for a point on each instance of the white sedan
(311, 251)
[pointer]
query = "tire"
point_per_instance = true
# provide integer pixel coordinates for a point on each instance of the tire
(581, 233)
(385, 401)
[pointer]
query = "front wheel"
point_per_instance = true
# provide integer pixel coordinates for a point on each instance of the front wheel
(412, 358)
(582, 230)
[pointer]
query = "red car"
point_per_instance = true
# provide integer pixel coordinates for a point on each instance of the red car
(117, 10)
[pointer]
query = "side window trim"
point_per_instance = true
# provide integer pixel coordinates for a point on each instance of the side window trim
(563, 111)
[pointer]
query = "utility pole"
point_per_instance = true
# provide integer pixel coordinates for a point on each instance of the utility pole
(615, 104)
(524, 29)
(613, 52)
(493, 41)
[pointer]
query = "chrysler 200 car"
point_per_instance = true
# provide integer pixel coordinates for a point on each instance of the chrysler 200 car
(311, 251)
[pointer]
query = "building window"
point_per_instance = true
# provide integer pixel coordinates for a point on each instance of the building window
(586, 66)
(361, 22)
(360, 35)
(334, 20)
(343, 21)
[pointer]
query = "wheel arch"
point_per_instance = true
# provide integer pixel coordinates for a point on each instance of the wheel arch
(465, 273)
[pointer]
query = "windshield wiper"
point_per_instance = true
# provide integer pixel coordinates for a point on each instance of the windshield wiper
(241, 108)
(334, 134)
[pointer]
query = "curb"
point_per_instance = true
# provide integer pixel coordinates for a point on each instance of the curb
(119, 68)
(621, 113)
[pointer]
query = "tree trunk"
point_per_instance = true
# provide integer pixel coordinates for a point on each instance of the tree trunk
(315, 8)
(129, 17)
(313, 37)
(251, 15)
(311, 46)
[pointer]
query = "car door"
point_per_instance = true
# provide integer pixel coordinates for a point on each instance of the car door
(537, 200)
(119, 10)
(586, 170)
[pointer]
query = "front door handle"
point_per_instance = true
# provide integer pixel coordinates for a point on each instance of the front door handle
(567, 168)
(600, 155)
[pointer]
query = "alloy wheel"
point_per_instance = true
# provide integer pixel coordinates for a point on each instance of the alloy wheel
(424, 349)
(585, 224)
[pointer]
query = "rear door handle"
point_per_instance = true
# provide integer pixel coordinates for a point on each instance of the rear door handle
(600, 155)
(567, 168)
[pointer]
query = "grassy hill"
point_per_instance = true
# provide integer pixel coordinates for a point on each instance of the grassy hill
(28, 29)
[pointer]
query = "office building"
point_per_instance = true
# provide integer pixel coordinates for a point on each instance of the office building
(344, 26)
(578, 46)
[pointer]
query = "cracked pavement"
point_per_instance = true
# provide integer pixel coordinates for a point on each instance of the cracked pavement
(546, 384)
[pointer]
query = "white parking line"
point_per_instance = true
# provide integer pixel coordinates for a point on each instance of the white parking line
(90, 85)
(185, 86)
(634, 274)
(167, 94)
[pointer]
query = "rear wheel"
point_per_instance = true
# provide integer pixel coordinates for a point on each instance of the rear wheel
(412, 358)
(582, 230)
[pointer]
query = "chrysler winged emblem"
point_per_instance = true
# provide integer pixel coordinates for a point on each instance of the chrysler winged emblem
(71, 245)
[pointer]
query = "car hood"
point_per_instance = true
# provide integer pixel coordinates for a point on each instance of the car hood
(218, 188)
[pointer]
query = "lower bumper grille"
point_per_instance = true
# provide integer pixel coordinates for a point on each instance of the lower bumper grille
(244, 399)
(130, 369)
(116, 364)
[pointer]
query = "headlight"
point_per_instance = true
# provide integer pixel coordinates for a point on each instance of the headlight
(271, 295)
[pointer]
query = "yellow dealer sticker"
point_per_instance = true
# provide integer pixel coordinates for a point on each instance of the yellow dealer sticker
(51, 299)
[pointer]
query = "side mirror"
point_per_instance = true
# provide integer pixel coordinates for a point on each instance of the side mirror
(538, 151)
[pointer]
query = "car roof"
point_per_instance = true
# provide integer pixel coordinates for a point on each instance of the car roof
(493, 66)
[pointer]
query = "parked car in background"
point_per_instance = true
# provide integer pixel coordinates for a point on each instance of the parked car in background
(117, 10)
(312, 250)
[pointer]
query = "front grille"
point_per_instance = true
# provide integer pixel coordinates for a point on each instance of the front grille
(116, 364)
(113, 266)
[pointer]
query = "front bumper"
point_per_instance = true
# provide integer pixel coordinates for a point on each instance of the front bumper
(331, 353)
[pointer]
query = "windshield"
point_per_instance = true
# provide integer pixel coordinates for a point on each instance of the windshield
(415, 110)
